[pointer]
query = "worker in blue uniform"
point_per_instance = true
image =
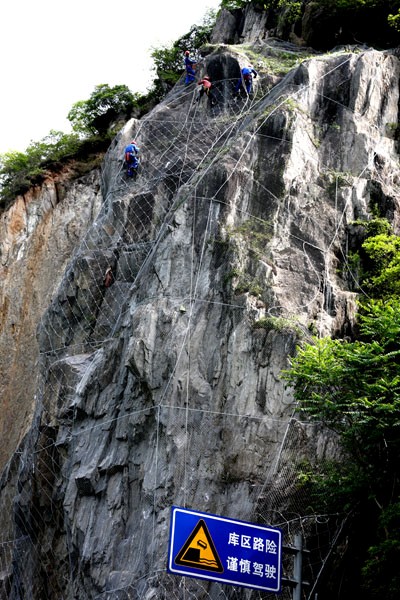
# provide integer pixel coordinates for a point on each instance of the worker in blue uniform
(190, 65)
(131, 158)
(246, 78)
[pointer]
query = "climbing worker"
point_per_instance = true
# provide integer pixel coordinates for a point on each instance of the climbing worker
(206, 86)
(108, 277)
(131, 158)
(190, 65)
(246, 77)
(131, 150)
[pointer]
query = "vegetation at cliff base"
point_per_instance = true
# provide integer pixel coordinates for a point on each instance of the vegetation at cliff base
(353, 387)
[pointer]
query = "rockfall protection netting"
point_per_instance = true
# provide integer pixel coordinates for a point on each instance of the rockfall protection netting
(177, 151)
(320, 532)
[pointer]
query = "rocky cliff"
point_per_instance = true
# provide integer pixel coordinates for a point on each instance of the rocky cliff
(162, 387)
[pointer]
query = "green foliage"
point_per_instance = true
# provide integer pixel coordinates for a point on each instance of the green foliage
(105, 105)
(376, 261)
(248, 284)
(376, 226)
(20, 170)
(392, 128)
(256, 233)
(354, 389)
(291, 11)
(243, 282)
(280, 324)
(279, 62)
(360, 4)
(334, 180)
(353, 266)
(95, 120)
(91, 121)
(383, 256)
(380, 578)
(382, 250)
(232, 274)
(352, 386)
(169, 60)
(168, 63)
(293, 7)
(55, 146)
(331, 486)
(198, 35)
(394, 20)
(234, 4)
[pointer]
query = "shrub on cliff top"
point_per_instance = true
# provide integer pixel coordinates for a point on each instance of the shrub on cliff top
(105, 104)
(19, 171)
(168, 60)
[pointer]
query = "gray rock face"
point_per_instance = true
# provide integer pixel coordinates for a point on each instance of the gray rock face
(236, 26)
(160, 389)
(39, 234)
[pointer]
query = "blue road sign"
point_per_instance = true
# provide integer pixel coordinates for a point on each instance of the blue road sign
(234, 552)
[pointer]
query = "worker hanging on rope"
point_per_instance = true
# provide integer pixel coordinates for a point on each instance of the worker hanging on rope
(131, 159)
(246, 78)
(108, 277)
(190, 65)
(206, 86)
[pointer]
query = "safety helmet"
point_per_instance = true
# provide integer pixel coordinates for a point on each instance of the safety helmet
(133, 142)
(187, 52)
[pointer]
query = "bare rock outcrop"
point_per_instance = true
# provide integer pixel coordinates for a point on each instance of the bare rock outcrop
(39, 234)
(165, 387)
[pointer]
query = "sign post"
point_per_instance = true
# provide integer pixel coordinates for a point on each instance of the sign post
(234, 552)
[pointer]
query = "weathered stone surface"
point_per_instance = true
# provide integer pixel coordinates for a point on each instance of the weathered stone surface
(39, 234)
(319, 26)
(159, 389)
(236, 26)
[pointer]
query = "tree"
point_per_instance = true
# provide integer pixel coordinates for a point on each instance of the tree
(329, 22)
(105, 105)
(91, 121)
(21, 170)
(168, 60)
(382, 264)
(354, 389)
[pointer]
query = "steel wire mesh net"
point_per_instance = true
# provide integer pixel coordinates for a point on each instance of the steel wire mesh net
(181, 437)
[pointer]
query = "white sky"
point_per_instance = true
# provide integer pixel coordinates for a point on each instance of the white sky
(53, 54)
